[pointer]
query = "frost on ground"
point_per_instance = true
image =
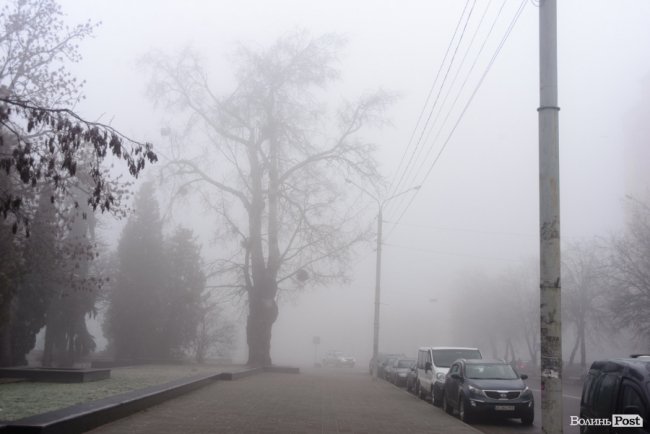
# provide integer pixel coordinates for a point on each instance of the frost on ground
(22, 399)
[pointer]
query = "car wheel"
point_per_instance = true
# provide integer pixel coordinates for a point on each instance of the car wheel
(418, 390)
(464, 413)
(445, 404)
(528, 418)
(435, 401)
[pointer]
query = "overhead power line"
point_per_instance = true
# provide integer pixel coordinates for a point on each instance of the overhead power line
(435, 103)
(463, 255)
(477, 231)
(467, 104)
(415, 174)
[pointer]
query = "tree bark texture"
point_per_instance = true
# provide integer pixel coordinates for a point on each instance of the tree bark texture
(263, 311)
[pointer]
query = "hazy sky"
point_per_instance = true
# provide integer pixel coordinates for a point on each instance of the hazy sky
(478, 206)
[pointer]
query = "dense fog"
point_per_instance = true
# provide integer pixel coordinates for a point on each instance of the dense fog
(437, 95)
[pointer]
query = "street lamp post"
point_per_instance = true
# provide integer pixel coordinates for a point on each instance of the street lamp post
(380, 205)
(375, 335)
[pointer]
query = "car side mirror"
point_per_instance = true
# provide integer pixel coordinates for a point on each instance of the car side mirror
(427, 366)
(455, 376)
(524, 377)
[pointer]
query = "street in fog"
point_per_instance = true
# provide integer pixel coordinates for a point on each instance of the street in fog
(448, 188)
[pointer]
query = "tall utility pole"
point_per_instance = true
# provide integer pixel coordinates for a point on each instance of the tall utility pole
(549, 211)
(375, 335)
(380, 221)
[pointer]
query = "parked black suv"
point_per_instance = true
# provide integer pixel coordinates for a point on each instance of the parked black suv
(616, 386)
(480, 386)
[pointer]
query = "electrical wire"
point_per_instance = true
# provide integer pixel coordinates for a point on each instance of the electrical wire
(477, 231)
(416, 173)
(463, 255)
(426, 103)
(446, 142)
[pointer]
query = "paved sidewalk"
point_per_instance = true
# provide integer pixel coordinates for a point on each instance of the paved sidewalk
(314, 401)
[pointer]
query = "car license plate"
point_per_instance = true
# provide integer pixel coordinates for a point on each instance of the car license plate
(504, 407)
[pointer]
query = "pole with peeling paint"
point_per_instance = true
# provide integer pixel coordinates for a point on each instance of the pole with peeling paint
(549, 210)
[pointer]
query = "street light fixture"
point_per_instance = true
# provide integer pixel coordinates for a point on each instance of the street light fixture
(380, 205)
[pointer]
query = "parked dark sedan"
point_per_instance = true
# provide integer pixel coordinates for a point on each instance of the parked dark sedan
(480, 386)
(397, 371)
(384, 364)
(381, 358)
(411, 378)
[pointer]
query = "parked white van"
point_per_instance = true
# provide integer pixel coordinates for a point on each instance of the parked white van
(433, 364)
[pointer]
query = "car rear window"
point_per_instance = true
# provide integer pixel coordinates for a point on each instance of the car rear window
(444, 358)
(405, 363)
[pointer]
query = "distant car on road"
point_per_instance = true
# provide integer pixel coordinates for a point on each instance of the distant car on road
(480, 386)
(617, 386)
(338, 359)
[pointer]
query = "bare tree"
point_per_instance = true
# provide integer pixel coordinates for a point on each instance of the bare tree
(630, 262)
(483, 324)
(585, 282)
(215, 334)
(278, 185)
(522, 298)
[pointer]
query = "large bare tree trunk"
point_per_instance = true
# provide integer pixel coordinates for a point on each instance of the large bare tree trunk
(263, 312)
(5, 332)
(263, 309)
(48, 349)
(575, 347)
(583, 348)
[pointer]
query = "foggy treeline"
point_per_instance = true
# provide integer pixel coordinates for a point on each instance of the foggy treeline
(604, 299)
(158, 306)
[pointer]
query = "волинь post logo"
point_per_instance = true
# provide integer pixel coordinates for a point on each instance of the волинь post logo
(617, 421)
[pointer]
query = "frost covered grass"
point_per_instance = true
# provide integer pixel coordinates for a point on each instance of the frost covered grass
(22, 399)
